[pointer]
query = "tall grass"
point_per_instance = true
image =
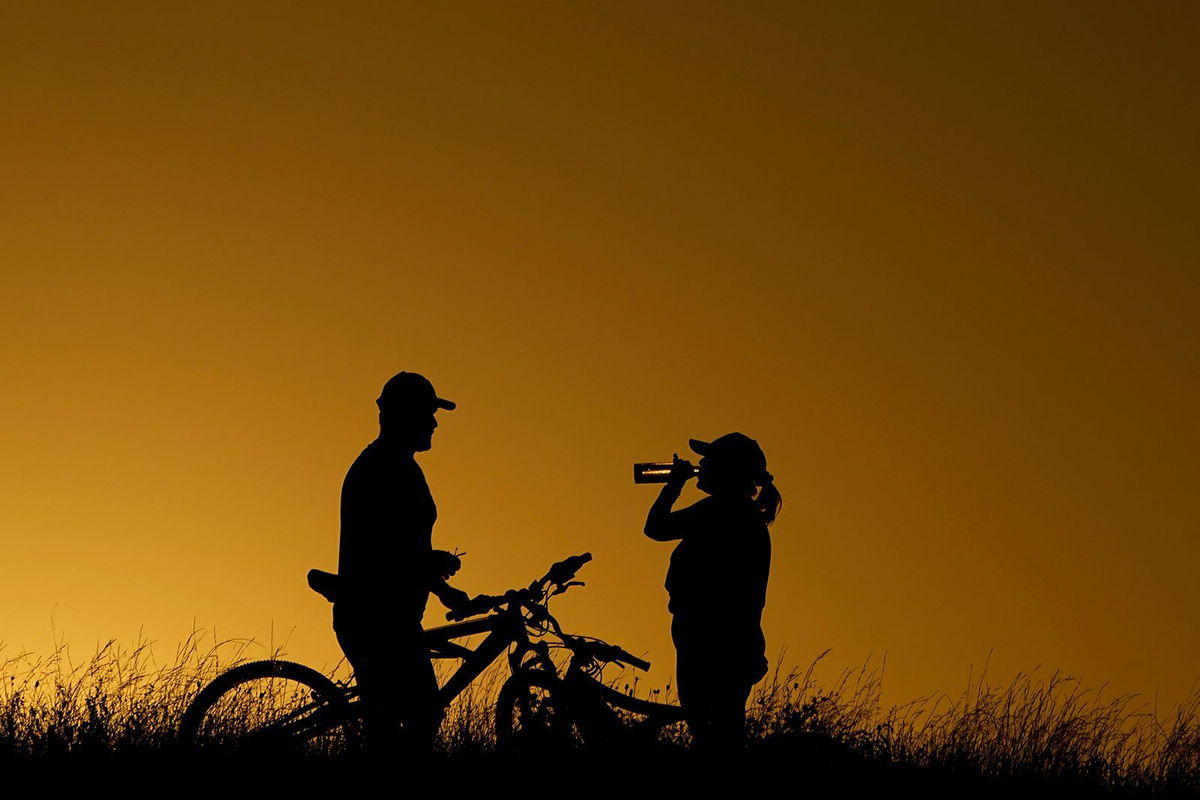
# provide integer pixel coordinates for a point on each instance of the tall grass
(124, 700)
(119, 700)
(1034, 727)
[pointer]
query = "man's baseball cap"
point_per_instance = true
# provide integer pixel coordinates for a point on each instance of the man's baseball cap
(736, 450)
(408, 389)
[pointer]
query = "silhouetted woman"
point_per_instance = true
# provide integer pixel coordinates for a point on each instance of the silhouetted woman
(717, 582)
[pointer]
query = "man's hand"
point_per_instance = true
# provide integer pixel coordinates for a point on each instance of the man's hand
(443, 565)
(478, 605)
(451, 598)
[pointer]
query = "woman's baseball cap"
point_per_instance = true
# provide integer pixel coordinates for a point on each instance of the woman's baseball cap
(735, 450)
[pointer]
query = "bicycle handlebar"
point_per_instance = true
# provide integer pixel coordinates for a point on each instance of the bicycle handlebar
(565, 570)
(559, 574)
(603, 651)
(629, 658)
(532, 599)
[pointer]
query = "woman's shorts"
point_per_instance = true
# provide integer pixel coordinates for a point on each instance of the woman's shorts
(725, 652)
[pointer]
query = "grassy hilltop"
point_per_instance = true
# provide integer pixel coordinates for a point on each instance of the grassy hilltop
(1037, 735)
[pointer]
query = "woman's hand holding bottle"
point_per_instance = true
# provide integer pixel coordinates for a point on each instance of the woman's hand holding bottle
(682, 471)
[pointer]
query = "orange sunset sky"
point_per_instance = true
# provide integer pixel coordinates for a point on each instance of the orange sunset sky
(940, 259)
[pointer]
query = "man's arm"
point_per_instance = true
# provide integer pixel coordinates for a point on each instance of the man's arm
(450, 597)
(356, 559)
(441, 566)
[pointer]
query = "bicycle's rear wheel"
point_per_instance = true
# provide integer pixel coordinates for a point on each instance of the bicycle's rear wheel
(276, 706)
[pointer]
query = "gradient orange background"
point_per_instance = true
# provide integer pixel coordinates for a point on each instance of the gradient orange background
(940, 259)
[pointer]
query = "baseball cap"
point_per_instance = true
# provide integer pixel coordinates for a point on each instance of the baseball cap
(412, 390)
(737, 450)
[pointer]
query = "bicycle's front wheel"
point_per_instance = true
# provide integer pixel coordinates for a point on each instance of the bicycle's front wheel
(271, 705)
(532, 715)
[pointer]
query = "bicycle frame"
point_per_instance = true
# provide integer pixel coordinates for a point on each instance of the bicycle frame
(504, 629)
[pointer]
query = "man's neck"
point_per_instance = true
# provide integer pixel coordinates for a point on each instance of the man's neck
(395, 444)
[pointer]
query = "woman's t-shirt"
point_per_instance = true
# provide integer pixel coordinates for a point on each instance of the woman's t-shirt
(719, 569)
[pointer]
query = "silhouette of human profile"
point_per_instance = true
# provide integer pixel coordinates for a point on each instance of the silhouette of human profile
(717, 582)
(387, 568)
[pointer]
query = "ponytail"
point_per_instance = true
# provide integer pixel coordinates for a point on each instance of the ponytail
(768, 499)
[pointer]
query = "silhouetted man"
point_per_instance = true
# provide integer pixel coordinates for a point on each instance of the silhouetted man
(387, 567)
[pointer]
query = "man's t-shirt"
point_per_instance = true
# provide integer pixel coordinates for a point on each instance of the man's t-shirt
(386, 540)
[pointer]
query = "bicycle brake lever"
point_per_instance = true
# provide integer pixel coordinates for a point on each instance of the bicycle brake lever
(559, 589)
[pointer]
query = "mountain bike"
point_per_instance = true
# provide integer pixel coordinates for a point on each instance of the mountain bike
(285, 705)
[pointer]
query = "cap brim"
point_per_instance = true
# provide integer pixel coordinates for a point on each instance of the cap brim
(698, 446)
(446, 404)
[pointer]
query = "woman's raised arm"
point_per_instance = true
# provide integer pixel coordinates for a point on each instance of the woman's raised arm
(661, 524)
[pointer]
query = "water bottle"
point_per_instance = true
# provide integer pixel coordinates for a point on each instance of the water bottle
(654, 471)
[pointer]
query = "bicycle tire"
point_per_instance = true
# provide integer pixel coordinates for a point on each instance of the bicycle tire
(325, 713)
(532, 714)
